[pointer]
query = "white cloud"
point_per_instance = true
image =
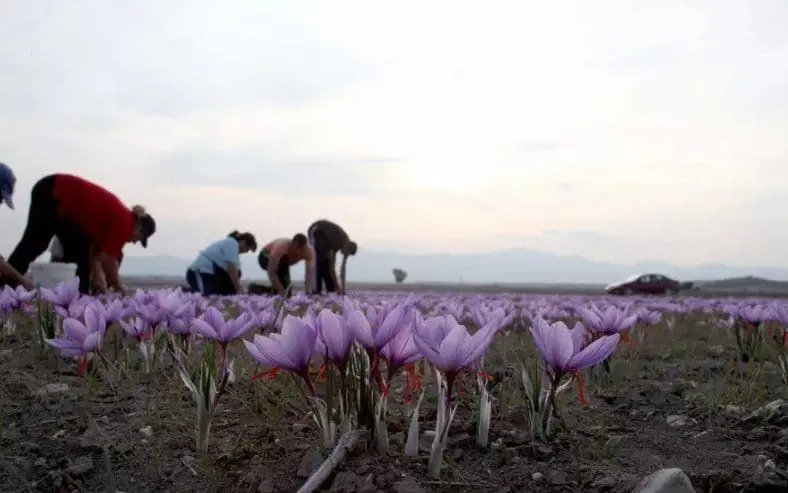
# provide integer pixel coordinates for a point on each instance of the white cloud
(433, 126)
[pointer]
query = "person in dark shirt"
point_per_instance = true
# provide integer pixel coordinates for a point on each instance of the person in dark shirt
(92, 224)
(328, 239)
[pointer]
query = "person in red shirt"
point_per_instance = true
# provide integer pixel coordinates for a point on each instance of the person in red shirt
(91, 222)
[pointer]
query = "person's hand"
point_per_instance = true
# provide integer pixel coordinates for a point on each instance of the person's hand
(28, 284)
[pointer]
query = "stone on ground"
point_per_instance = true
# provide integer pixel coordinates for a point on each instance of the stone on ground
(671, 480)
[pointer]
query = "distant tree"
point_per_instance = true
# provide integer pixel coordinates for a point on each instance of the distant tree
(399, 275)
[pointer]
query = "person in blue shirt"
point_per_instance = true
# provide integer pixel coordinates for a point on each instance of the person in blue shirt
(7, 271)
(217, 269)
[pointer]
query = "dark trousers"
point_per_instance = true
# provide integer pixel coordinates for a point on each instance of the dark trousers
(43, 223)
(218, 283)
(323, 256)
(282, 270)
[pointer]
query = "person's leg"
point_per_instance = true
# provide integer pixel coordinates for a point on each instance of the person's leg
(193, 281)
(255, 288)
(222, 283)
(76, 250)
(331, 287)
(40, 228)
(320, 245)
(208, 284)
(283, 272)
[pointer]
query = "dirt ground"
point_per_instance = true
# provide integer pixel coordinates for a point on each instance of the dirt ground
(140, 437)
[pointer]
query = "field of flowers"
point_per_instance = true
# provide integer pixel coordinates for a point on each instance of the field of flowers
(379, 392)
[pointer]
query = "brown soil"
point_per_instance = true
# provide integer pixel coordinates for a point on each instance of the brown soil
(89, 437)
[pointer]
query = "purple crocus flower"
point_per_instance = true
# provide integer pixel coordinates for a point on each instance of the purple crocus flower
(482, 316)
(21, 294)
(179, 320)
(563, 352)
(384, 327)
(212, 325)
(289, 350)
(80, 339)
(63, 294)
(612, 320)
(648, 317)
(112, 311)
(74, 309)
(137, 328)
(457, 352)
(333, 331)
(402, 350)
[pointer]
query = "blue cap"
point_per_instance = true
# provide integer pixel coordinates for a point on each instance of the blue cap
(7, 182)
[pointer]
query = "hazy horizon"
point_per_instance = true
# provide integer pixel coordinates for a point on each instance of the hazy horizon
(504, 267)
(622, 131)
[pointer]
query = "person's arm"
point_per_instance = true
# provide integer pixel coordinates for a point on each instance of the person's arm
(277, 252)
(342, 274)
(105, 259)
(7, 270)
(111, 278)
(232, 270)
(309, 270)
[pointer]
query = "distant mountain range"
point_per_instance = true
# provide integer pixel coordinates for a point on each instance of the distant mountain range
(507, 266)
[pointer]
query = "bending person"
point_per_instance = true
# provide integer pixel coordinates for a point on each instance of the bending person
(328, 238)
(277, 257)
(57, 255)
(217, 269)
(92, 224)
(7, 185)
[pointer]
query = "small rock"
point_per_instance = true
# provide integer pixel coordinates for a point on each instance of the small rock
(677, 420)
(266, 486)
(367, 488)
(407, 486)
(80, 467)
(558, 477)
(716, 350)
(147, 431)
(537, 476)
(775, 412)
(765, 464)
(299, 427)
(398, 438)
(31, 447)
(605, 483)
(344, 482)
(665, 481)
(309, 463)
(53, 388)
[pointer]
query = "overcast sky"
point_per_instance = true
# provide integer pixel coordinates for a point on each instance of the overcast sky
(617, 130)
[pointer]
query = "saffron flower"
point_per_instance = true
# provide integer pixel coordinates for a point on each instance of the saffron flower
(81, 339)
(563, 352)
